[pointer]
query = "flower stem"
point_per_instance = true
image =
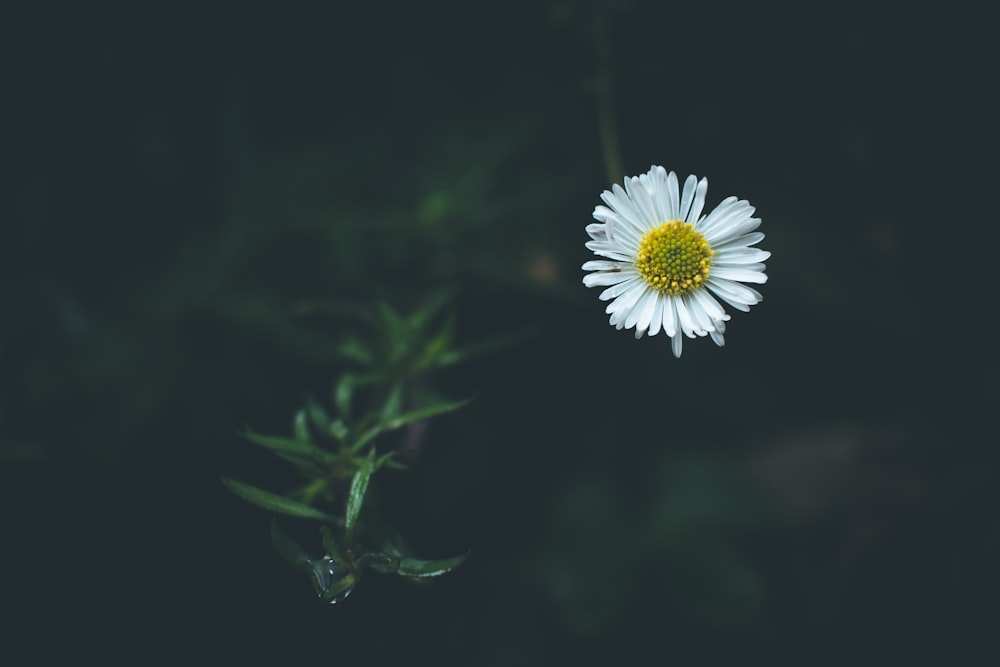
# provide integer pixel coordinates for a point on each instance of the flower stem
(607, 116)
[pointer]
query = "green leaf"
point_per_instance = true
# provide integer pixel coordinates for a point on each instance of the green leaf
(385, 459)
(337, 590)
(451, 357)
(353, 349)
(394, 324)
(293, 554)
(438, 345)
(317, 415)
(390, 541)
(390, 409)
(366, 437)
(430, 307)
(393, 464)
(342, 394)
(413, 567)
(331, 546)
(300, 426)
(293, 448)
(275, 503)
(356, 496)
(338, 429)
(404, 419)
(379, 562)
(424, 413)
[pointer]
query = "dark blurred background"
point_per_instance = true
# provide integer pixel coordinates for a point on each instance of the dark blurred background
(186, 184)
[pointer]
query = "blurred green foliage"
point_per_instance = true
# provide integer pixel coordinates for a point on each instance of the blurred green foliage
(388, 390)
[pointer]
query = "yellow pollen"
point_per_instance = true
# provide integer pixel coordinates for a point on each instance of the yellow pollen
(674, 258)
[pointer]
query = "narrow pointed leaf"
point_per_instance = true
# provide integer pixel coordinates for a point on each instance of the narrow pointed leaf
(381, 563)
(390, 541)
(331, 546)
(395, 325)
(488, 345)
(300, 426)
(385, 459)
(366, 437)
(338, 590)
(356, 496)
(317, 415)
(342, 394)
(390, 409)
(413, 567)
(354, 350)
(425, 413)
(275, 503)
(293, 554)
(293, 448)
(434, 303)
(438, 345)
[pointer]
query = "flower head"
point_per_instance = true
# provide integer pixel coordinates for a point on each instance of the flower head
(665, 263)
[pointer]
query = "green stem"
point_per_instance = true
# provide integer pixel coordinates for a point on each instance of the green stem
(607, 116)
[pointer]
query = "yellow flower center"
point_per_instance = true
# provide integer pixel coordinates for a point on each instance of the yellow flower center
(674, 258)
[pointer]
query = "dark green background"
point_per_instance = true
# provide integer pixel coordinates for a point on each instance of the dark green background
(186, 185)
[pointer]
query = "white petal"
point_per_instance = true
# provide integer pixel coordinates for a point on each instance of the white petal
(673, 197)
(656, 321)
(645, 308)
(738, 243)
(751, 239)
(699, 201)
(622, 233)
(646, 183)
(687, 324)
(661, 198)
(615, 227)
(739, 255)
(757, 267)
(602, 265)
(627, 300)
(642, 309)
(670, 316)
(676, 343)
(737, 295)
(687, 196)
(743, 275)
(605, 278)
(602, 213)
(610, 250)
(731, 230)
(709, 305)
(617, 230)
(724, 208)
(720, 329)
(642, 201)
(620, 202)
(729, 211)
(597, 231)
(698, 314)
(619, 289)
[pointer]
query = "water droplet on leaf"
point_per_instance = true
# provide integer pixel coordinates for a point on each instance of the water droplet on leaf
(332, 584)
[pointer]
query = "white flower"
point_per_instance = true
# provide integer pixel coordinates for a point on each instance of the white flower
(666, 263)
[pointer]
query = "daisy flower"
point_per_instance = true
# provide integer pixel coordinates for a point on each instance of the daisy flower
(666, 265)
